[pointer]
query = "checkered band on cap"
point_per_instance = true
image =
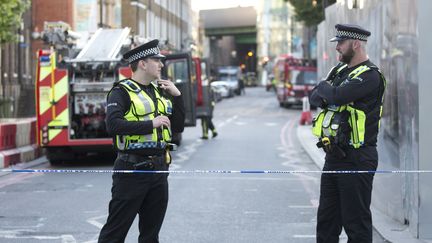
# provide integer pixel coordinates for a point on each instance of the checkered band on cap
(144, 53)
(351, 35)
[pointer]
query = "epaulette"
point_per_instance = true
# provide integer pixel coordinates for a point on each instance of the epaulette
(130, 85)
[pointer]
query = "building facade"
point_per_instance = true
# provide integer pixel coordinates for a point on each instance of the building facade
(162, 19)
(277, 33)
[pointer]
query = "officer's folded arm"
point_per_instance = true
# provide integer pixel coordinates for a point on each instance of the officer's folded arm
(316, 100)
(346, 93)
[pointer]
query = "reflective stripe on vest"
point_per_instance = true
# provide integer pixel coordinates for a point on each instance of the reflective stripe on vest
(143, 108)
(342, 68)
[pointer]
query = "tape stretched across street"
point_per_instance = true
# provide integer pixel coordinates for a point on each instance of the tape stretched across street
(219, 171)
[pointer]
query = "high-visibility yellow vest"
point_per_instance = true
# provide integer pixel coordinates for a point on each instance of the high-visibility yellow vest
(326, 124)
(144, 108)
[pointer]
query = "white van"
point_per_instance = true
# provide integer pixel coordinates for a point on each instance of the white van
(231, 75)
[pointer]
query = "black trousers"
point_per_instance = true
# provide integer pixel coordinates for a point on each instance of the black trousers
(132, 194)
(345, 200)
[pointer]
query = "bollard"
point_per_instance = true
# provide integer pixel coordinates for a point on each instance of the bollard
(306, 116)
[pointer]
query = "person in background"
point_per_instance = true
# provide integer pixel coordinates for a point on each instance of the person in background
(206, 121)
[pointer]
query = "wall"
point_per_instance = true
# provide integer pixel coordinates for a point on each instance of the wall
(425, 86)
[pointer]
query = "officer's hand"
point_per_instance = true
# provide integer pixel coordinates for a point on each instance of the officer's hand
(161, 121)
(169, 87)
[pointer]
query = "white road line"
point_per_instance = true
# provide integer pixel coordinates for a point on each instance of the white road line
(95, 221)
(302, 206)
(23, 234)
(17, 178)
(304, 236)
(187, 152)
(251, 212)
(314, 202)
(227, 121)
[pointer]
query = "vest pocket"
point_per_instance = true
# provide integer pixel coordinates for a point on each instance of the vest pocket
(317, 124)
(357, 121)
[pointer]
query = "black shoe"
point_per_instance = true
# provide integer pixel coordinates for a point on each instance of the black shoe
(204, 137)
(214, 134)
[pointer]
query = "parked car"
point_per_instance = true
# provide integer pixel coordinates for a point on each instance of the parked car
(223, 88)
(217, 93)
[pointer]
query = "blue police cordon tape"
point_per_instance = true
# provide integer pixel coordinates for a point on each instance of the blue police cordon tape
(219, 171)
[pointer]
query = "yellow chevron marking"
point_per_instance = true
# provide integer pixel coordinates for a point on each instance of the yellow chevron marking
(52, 133)
(61, 119)
(60, 88)
(44, 99)
(44, 72)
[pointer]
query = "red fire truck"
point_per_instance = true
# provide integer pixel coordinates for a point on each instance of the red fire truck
(71, 88)
(295, 78)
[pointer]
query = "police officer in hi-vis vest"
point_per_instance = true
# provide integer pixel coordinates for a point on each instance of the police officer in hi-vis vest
(142, 113)
(351, 98)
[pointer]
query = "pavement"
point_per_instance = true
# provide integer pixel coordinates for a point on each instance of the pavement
(392, 230)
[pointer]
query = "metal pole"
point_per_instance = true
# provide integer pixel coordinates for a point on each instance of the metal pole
(20, 42)
(181, 25)
(137, 30)
(100, 14)
(325, 3)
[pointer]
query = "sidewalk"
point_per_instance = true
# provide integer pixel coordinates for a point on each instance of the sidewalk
(390, 229)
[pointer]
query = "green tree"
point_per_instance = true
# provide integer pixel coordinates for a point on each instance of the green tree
(311, 12)
(10, 18)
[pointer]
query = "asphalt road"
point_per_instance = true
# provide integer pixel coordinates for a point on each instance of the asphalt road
(254, 134)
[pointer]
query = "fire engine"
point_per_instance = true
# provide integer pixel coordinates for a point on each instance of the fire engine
(72, 83)
(295, 78)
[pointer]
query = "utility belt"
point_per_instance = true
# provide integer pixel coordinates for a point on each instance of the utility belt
(329, 146)
(149, 162)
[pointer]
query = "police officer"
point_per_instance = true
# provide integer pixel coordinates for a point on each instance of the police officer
(347, 128)
(206, 121)
(141, 115)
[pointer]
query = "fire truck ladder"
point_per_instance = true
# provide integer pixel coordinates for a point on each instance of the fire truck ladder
(104, 46)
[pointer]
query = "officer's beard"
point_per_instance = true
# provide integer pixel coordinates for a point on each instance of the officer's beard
(348, 56)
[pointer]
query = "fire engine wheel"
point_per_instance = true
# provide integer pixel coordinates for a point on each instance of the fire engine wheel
(57, 156)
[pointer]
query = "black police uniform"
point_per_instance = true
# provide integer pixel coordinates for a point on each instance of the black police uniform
(345, 198)
(142, 194)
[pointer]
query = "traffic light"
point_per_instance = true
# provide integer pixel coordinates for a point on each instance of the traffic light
(250, 53)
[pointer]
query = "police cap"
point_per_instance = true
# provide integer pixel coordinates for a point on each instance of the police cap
(149, 49)
(350, 31)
